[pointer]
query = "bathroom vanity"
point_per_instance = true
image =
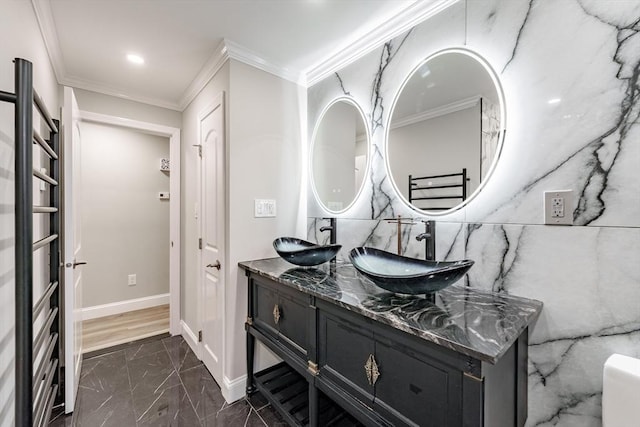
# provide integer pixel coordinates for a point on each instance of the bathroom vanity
(354, 354)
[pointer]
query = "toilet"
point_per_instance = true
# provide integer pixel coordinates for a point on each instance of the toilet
(621, 392)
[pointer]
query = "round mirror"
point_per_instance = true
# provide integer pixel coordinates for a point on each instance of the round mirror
(446, 131)
(339, 155)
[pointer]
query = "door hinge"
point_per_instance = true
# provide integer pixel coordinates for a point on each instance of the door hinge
(199, 336)
(200, 243)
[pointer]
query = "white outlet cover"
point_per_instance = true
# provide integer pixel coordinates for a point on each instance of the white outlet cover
(567, 201)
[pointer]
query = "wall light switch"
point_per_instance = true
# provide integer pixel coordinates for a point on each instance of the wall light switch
(558, 207)
(264, 208)
(163, 195)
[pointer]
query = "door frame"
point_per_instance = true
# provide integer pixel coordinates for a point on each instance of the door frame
(174, 201)
(218, 101)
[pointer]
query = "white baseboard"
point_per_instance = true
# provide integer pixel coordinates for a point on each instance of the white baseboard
(191, 338)
(124, 306)
(233, 390)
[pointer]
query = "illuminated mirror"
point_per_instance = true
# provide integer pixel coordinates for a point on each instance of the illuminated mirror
(446, 131)
(339, 155)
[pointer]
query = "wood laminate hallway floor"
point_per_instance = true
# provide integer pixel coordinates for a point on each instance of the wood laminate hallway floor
(105, 332)
(158, 381)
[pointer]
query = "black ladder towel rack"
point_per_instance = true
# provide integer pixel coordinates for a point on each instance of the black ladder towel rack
(37, 357)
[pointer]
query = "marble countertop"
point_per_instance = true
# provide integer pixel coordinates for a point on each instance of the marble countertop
(478, 324)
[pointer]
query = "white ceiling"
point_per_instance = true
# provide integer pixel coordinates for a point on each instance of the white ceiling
(183, 41)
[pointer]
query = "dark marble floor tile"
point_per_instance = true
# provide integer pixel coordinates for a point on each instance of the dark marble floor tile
(62, 420)
(271, 417)
(180, 352)
(171, 407)
(257, 400)
(136, 351)
(233, 415)
(105, 374)
(254, 420)
(99, 409)
(203, 391)
(151, 374)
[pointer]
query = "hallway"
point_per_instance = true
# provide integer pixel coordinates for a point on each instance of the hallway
(158, 382)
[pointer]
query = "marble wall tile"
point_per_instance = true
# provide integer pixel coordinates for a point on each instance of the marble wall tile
(587, 53)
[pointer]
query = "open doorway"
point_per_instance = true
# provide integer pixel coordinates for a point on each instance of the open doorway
(129, 198)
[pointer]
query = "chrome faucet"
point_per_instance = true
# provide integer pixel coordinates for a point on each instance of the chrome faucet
(332, 229)
(429, 236)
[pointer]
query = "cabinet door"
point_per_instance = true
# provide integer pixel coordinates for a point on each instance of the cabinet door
(293, 321)
(265, 299)
(344, 349)
(413, 389)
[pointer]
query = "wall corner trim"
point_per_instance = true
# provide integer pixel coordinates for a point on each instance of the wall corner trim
(234, 390)
(112, 308)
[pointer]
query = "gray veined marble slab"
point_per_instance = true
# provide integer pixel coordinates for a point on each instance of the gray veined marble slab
(478, 324)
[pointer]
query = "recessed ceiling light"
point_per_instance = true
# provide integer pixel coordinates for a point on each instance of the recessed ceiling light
(136, 59)
(554, 101)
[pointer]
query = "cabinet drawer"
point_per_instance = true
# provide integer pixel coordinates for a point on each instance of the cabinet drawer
(293, 322)
(283, 314)
(344, 349)
(413, 388)
(265, 298)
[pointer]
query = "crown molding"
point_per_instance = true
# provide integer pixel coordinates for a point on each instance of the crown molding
(348, 53)
(249, 57)
(206, 73)
(44, 16)
(375, 37)
(442, 110)
(92, 86)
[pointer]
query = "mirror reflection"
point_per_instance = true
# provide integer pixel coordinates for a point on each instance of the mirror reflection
(339, 155)
(445, 131)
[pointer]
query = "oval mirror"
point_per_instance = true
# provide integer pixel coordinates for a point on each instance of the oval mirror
(446, 131)
(339, 155)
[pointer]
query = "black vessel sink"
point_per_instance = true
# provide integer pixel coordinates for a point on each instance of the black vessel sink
(301, 252)
(405, 275)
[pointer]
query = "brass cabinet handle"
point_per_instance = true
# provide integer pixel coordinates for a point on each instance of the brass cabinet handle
(217, 265)
(276, 313)
(371, 369)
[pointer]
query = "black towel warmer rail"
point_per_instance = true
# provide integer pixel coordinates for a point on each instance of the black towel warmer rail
(421, 189)
(38, 377)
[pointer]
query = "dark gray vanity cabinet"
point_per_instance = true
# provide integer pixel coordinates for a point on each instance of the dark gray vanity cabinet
(403, 382)
(355, 357)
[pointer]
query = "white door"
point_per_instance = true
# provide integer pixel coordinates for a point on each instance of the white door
(72, 249)
(211, 140)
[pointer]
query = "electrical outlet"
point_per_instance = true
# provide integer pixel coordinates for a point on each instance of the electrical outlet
(264, 208)
(132, 280)
(558, 207)
(163, 195)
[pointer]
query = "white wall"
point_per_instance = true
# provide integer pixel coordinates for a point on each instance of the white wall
(189, 192)
(125, 227)
(265, 160)
(119, 107)
(441, 145)
(21, 38)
